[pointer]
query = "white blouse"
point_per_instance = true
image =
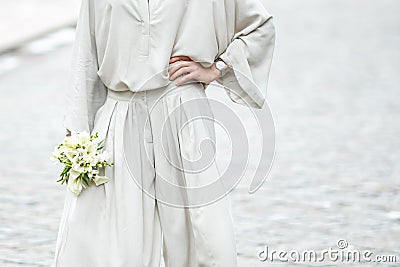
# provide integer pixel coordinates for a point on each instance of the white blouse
(127, 44)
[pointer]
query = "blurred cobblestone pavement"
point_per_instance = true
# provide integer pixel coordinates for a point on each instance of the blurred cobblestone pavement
(22, 20)
(335, 97)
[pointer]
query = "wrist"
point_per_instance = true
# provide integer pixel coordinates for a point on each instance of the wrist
(217, 73)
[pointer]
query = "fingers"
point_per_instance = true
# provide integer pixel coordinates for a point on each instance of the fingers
(178, 66)
(180, 72)
(185, 79)
(187, 65)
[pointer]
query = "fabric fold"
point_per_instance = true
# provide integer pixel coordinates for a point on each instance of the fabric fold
(249, 54)
(145, 207)
(86, 92)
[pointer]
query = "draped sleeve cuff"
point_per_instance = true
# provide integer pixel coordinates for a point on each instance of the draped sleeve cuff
(240, 87)
(249, 55)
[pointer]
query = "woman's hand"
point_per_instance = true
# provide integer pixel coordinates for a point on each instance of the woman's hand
(194, 69)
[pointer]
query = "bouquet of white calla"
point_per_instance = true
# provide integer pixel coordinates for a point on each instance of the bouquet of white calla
(82, 156)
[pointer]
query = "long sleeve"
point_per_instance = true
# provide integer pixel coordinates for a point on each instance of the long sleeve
(249, 54)
(86, 92)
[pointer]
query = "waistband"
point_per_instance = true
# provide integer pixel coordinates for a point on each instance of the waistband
(170, 88)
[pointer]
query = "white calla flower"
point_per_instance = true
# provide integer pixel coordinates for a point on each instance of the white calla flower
(98, 180)
(75, 186)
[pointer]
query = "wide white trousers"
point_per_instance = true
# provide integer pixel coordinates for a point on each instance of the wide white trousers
(163, 193)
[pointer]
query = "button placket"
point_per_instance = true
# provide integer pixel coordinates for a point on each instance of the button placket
(145, 38)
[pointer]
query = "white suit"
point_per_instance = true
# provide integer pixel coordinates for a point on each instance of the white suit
(120, 88)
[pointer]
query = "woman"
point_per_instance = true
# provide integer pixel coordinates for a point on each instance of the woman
(139, 74)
